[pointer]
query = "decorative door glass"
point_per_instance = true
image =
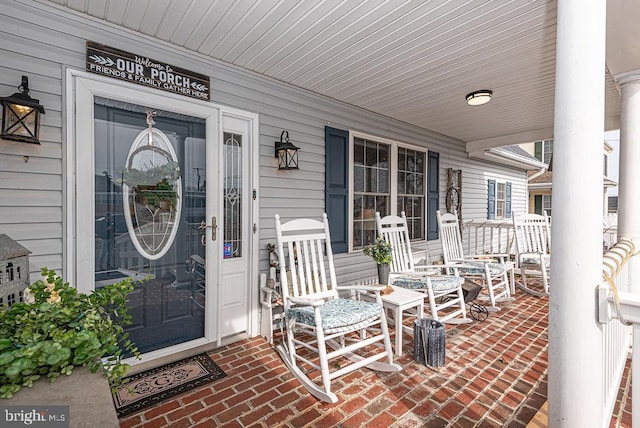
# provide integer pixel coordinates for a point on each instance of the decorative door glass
(232, 195)
(149, 203)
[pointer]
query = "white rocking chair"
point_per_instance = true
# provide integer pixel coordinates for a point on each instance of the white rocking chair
(321, 326)
(443, 291)
(533, 245)
(493, 272)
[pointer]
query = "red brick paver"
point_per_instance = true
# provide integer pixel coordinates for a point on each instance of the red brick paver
(495, 375)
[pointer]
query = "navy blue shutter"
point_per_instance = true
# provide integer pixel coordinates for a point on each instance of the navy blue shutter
(491, 199)
(336, 179)
(507, 200)
(433, 193)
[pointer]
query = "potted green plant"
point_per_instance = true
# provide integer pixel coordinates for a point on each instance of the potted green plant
(154, 187)
(162, 195)
(380, 252)
(56, 329)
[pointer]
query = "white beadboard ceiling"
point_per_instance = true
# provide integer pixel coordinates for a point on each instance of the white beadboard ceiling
(411, 60)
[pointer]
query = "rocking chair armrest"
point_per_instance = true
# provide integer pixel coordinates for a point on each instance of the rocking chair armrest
(469, 261)
(490, 258)
(367, 288)
(533, 253)
(430, 269)
(306, 302)
(269, 297)
(265, 298)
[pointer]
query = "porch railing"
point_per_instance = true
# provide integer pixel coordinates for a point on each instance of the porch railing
(610, 230)
(482, 237)
(617, 334)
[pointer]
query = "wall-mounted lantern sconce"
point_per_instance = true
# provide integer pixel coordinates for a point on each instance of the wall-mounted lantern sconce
(286, 152)
(21, 115)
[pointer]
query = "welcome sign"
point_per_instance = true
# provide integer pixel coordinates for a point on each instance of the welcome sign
(145, 71)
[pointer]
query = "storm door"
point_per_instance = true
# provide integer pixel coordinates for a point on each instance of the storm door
(150, 202)
(144, 194)
(159, 190)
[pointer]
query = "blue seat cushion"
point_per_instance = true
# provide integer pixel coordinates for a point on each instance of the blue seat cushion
(439, 283)
(336, 313)
(477, 268)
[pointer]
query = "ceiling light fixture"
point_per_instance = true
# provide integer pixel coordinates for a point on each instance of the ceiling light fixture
(477, 98)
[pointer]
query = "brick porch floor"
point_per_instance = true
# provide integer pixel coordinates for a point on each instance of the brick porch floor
(495, 376)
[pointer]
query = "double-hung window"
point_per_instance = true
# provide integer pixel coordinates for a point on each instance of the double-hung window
(365, 174)
(371, 188)
(387, 178)
(542, 204)
(498, 199)
(411, 186)
(543, 150)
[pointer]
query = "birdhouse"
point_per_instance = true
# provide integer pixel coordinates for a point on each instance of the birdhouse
(14, 270)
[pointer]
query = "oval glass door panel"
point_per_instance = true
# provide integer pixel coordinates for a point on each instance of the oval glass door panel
(152, 192)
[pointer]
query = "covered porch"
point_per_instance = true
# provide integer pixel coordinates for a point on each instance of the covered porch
(556, 69)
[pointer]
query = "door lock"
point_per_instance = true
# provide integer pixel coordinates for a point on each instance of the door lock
(214, 230)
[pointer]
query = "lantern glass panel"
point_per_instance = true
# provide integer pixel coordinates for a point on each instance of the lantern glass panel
(292, 154)
(19, 120)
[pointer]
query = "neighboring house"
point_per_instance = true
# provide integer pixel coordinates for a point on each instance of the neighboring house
(540, 182)
(500, 192)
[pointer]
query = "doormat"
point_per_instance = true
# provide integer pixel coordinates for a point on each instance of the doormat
(153, 386)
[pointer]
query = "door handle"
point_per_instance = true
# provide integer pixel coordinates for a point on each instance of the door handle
(214, 230)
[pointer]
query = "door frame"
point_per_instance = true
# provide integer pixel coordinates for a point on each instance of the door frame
(79, 256)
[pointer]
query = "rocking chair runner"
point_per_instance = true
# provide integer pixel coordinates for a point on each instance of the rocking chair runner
(442, 291)
(321, 326)
(533, 245)
(494, 274)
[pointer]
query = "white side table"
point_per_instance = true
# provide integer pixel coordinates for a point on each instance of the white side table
(399, 301)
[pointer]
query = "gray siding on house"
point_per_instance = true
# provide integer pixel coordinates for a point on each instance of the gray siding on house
(41, 42)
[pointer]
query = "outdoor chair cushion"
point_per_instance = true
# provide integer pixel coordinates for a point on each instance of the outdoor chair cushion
(439, 283)
(336, 313)
(477, 268)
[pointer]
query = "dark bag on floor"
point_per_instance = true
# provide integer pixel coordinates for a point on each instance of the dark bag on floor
(429, 342)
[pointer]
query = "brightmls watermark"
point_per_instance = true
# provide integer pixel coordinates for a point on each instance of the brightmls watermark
(37, 416)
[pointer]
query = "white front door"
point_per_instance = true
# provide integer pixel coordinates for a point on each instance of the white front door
(162, 194)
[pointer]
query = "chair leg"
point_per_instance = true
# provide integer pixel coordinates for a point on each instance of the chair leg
(545, 280)
(322, 352)
(492, 294)
(463, 307)
(512, 284)
(432, 304)
(289, 356)
(384, 327)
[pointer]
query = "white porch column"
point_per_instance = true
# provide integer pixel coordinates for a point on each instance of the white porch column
(629, 171)
(575, 393)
